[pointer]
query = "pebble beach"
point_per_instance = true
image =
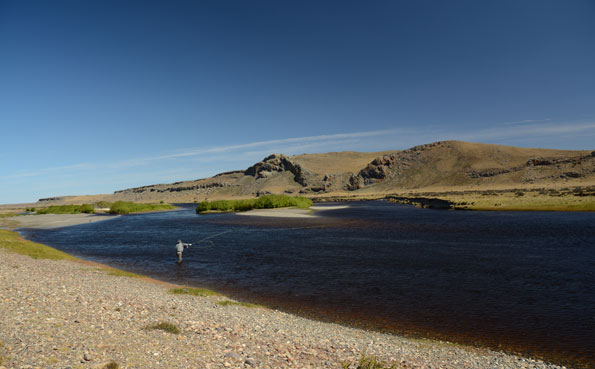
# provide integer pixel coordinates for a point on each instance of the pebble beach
(72, 314)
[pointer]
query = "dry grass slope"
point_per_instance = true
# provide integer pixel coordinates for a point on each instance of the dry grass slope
(439, 167)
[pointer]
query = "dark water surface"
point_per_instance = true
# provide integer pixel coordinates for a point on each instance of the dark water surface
(519, 281)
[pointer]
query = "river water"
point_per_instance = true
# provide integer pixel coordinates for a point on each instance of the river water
(522, 282)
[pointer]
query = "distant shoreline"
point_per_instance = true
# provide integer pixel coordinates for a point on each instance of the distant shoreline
(487, 200)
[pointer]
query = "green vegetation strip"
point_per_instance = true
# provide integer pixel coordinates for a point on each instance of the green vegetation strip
(12, 241)
(67, 209)
(124, 207)
(263, 202)
(165, 326)
(193, 291)
(235, 303)
(120, 273)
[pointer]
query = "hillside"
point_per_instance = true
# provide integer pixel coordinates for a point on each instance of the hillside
(439, 167)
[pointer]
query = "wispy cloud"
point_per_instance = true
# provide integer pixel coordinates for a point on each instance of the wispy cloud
(50, 170)
(271, 143)
(536, 130)
(526, 121)
(286, 145)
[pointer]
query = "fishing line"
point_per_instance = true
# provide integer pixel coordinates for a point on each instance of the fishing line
(207, 240)
(215, 235)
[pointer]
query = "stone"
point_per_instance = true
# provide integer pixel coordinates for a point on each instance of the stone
(233, 355)
(250, 361)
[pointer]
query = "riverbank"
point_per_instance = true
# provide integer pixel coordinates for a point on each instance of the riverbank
(59, 313)
(47, 221)
(522, 199)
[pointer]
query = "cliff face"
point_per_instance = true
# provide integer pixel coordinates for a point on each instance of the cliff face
(447, 165)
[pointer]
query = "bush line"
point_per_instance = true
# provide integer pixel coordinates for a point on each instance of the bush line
(67, 209)
(124, 207)
(263, 202)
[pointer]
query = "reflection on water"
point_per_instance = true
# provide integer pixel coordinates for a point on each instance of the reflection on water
(519, 281)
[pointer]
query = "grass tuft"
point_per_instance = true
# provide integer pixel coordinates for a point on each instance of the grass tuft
(111, 365)
(12, 241)
(368, 362)
(232, 303)
(165, 326)
(263, 202)
(193, 291)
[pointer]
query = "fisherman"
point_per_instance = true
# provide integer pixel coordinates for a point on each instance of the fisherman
(180, 246)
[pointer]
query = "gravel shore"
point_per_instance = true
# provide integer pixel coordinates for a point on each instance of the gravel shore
(47, 221)
(65, 314)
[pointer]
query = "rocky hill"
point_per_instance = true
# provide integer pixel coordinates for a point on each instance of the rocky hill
(439, 166)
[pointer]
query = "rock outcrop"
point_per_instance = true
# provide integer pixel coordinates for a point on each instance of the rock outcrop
(559, 163)
(278, 163)
(388, 166)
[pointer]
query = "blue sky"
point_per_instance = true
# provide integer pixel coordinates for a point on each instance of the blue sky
(97, 96)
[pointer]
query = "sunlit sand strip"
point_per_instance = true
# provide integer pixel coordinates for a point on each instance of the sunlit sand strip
(329, 207)
(46, 221)
(280, 213)
(291, 212)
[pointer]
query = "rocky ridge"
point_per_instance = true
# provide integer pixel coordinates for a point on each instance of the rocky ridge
(444, 164)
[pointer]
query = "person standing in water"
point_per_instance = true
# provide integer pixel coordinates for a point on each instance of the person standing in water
(180, 246)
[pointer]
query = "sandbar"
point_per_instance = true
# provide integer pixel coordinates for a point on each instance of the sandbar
(292, 212)
(47, 221)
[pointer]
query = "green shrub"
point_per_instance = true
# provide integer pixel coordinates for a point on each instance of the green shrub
(368, 362)
(203, 206)
(111, 365)
(165, 326)
(103, 204)
(222, 205)
(124, 207)
(263, 202)
(87, 208)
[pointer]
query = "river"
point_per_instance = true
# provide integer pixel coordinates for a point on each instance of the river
(521, 282)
